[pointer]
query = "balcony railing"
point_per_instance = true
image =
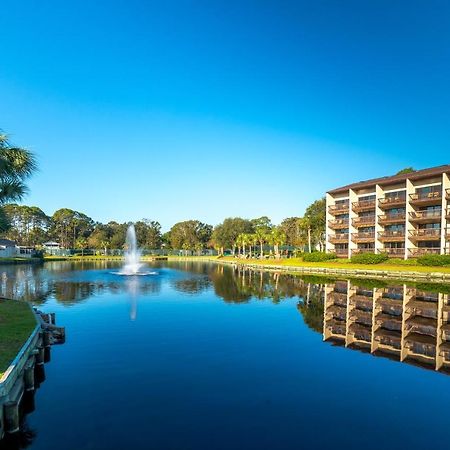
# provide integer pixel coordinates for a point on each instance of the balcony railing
(338, 224)
(341, 252)
(391, 202)
(422, 198)
(425, 216)
(425, 234)
(363, 205)
(391, 236)
(394, 252)
(366, 236)
(339, 208)
(385, 219)
(357, 251)
(338, 238)
(424, 251)
(363, 221)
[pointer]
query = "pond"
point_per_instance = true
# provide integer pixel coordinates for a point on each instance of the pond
(208, 356)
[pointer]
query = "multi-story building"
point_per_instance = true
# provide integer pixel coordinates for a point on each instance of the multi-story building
(404, 215)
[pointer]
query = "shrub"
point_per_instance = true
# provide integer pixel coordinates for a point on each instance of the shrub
(369, 258)
(318, 256)
(434, 260)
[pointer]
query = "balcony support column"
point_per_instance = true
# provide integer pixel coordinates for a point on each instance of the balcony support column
(445, 204)
(329, 247)
(352, 215)
(378, 228)
(409, 226)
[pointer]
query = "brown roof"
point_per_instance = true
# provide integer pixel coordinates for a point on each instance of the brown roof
(417, 175)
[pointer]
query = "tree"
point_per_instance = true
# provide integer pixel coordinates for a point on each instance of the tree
(314, 222)
(225, 234)
(291, 228)
(190, 235)
(29, 224)
(263, 228)
(68, 225)
(82, 244)
(405, 170)
(277, 238)
(16, 165)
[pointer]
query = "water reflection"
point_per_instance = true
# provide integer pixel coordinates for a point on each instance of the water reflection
(409, 323)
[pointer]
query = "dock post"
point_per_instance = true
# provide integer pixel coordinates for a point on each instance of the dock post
(53, 318)
(46, 338)
(11, 413)
(40, 356)
(28, 377)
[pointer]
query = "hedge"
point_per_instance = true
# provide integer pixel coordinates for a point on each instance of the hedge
(434, 260)
(369, 258)
(318, 256)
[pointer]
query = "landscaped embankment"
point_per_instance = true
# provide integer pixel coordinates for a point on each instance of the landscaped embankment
(406, 271)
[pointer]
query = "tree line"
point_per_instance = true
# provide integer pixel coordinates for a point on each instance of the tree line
(30, 226)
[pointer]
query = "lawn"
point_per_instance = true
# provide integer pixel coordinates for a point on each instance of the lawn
(17, 322)
(395, 265)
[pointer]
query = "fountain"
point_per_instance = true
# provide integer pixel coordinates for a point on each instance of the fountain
(132, 254)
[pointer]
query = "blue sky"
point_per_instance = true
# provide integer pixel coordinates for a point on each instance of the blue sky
(197, 109)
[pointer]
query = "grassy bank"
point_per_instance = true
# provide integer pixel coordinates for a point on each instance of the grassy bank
(17, 260)
(17, 322)
(389, 266)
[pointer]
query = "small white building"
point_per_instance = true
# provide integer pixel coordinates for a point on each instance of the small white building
(51, 247)
(8, 249)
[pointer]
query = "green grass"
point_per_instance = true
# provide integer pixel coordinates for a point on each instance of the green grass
(17, 322)
(392, 265)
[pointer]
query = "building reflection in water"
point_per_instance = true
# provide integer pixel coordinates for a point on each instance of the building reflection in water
(401, 322)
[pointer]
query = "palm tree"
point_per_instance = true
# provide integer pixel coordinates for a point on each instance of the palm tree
(278, 238)
(253, 240)
(16, 165)
(261, 237)
(305, 226)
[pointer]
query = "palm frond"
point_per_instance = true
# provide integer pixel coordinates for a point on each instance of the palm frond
(11, 190)
(5, 224)
(16, 162)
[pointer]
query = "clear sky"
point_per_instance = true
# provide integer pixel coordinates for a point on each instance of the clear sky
(173, 110)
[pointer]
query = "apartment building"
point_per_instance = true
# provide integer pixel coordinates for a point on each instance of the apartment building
(405, 215)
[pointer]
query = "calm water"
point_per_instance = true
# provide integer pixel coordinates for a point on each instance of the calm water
(201, 356)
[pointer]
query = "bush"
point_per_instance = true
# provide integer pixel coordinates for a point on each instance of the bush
(318, 256)
(369, 258)
(434, 260)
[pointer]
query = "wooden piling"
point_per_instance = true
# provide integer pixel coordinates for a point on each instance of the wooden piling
(11, 417)
(40, 356)
(28, 378)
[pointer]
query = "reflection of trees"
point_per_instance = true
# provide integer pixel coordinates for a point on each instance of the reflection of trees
(24, 282)
(192, 285)
(312, 307)
(70, 293)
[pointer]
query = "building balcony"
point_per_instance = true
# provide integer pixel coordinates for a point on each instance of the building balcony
(363, 221)
(392, 202)
(447, 235)
(394, 252)
(425, 234)
(338, 224)
(391, 236)
(414, 252)
(363, 205)
(341, 252)
(447, 194)
(425, 216)
(338, 238)
(361, 237)
(425, 198)
(387, 219)
(358, 251)
(340, 208)
(447, 214)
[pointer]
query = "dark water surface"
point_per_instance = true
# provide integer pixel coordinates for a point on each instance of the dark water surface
(204, 356)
